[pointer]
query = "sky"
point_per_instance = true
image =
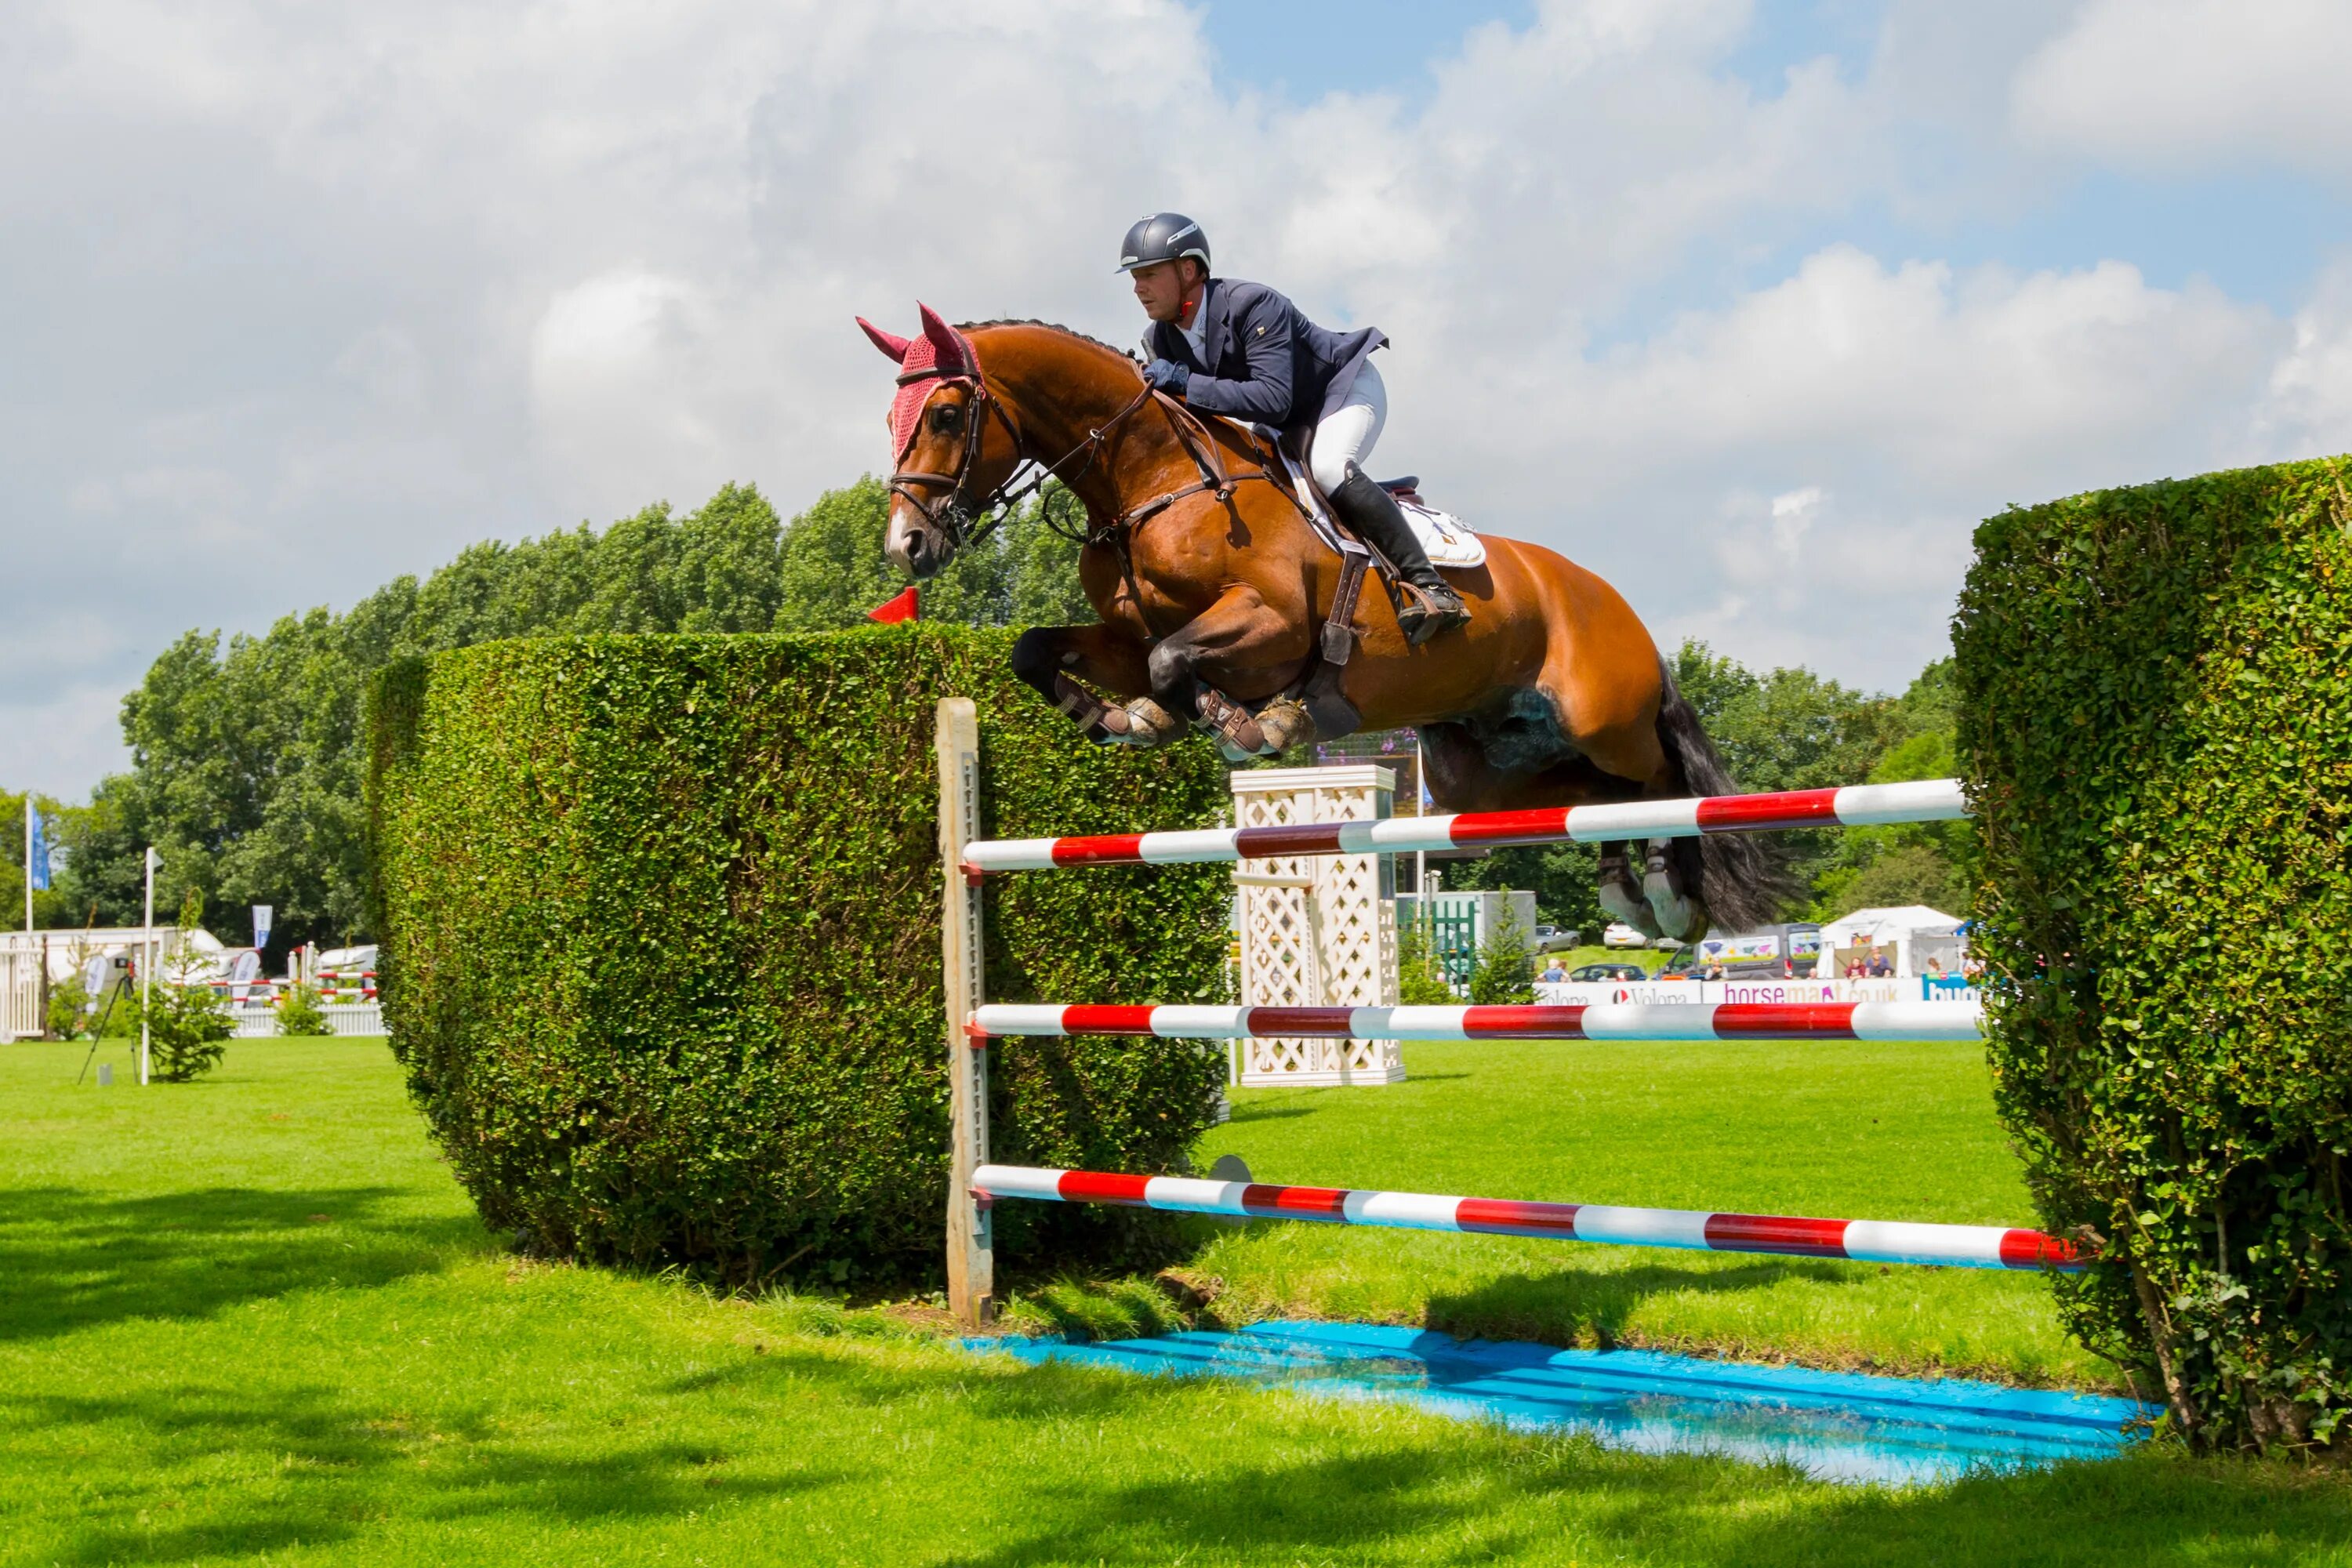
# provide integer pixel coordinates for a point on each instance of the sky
(1756, 310)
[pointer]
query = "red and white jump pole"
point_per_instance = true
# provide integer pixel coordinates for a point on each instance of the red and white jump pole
(1861, 1240)
(1595, 1021)
(1930, 800)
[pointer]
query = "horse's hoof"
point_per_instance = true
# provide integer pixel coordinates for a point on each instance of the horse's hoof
(1144, 723)
(1285, 722)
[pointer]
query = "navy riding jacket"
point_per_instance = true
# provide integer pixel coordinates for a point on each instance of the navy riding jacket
(1261, 359)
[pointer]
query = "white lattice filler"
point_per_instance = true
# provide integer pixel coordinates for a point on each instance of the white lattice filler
(1330, 941)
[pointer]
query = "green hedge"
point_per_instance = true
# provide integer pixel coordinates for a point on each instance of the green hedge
(2156, 724)
(661, 945)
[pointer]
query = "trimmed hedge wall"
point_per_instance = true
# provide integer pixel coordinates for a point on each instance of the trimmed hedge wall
(2157, 720)
(660, 919)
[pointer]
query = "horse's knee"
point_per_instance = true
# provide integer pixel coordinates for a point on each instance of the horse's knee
(1171, 665)
(1034, 657)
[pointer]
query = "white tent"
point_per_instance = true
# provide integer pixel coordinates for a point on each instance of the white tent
(1934, 933)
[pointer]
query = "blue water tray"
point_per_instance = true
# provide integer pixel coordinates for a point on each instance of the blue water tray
(1843, 1426)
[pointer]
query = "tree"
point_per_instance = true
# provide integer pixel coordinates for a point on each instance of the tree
(1421, 979)
(1505, 971)
(1930, 863)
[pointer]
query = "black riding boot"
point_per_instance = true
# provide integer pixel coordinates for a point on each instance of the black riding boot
(1431, 605)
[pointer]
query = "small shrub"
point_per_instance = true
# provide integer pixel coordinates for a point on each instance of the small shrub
(1420, 980)
(188, 1028)
(300, 1015)
(70, 1016)
(1505, 971)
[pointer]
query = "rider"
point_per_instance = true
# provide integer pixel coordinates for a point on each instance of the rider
(1240, 348)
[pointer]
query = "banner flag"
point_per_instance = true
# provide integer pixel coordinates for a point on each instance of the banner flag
(903, 607)
(261, 915)
(37, 848)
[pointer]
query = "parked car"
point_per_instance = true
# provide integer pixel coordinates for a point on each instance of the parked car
(1594, 974)
(1551, 938)
(1620, 934)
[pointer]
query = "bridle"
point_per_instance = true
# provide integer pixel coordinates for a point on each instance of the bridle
(955, 515)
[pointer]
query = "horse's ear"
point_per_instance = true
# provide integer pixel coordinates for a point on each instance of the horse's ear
(945, 342)
(890, 343)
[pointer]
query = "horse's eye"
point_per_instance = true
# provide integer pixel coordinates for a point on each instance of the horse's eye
(946, 419)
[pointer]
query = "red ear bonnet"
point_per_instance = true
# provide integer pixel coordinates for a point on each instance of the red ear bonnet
(890, 343)
(942, 351)
(945, 343)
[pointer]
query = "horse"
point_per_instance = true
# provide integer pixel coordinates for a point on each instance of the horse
(1216, 603)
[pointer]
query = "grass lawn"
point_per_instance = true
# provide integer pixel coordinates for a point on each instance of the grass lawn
(252, 1320)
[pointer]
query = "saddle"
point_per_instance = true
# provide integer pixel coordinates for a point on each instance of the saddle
(1314, 697)
(1442, 536)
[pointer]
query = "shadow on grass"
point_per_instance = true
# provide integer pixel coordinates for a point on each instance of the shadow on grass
(1358, 1506)
(70, 1259)
(337, 1466)
(1570, 1307)
(1241, 1113)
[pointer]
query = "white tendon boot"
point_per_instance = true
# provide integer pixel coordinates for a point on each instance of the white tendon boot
(1621, 896)
(1662, 889)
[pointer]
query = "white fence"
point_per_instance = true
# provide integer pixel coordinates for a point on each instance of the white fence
(21, 995)
(342, 1018)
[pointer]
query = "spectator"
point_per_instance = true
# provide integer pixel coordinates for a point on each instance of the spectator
(1935, 969)
(1853, 970)
(1553, 973)
(1880, 967)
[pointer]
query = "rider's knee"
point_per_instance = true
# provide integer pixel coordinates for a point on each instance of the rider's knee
(1331, 470)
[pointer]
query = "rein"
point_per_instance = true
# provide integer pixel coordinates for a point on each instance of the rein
(954, 516)
(950, 517)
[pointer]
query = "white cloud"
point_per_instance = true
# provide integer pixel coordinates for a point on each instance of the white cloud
(2169, 85)
(2308, 409)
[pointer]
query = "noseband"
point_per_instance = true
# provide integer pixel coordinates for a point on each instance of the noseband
(953, 514)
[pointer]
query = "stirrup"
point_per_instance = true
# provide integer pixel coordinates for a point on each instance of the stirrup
(1424, 615)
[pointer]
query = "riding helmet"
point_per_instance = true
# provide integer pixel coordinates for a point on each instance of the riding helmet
(1163, 237)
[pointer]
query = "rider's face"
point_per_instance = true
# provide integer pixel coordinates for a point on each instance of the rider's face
(1159, 290)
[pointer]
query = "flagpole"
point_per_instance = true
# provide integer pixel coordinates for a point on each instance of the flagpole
(146, 964)
(28, 860)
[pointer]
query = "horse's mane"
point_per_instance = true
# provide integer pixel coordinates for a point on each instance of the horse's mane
(1051, 327)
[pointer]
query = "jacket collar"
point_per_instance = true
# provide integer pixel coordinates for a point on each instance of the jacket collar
(1214, 323)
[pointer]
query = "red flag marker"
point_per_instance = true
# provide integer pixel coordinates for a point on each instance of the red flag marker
(903, 607)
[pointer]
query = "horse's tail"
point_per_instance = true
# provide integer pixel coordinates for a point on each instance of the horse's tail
(1742, 877)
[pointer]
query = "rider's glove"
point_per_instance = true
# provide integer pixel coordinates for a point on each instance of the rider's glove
(1168, 375)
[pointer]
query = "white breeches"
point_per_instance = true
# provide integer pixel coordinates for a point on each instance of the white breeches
(1347, 434)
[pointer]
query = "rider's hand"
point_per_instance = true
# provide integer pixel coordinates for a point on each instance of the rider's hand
(1168, 375)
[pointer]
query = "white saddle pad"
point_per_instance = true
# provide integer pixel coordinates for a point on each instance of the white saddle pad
(1445, 537)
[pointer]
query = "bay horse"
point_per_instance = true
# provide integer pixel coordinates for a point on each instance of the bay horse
(1216, 597)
